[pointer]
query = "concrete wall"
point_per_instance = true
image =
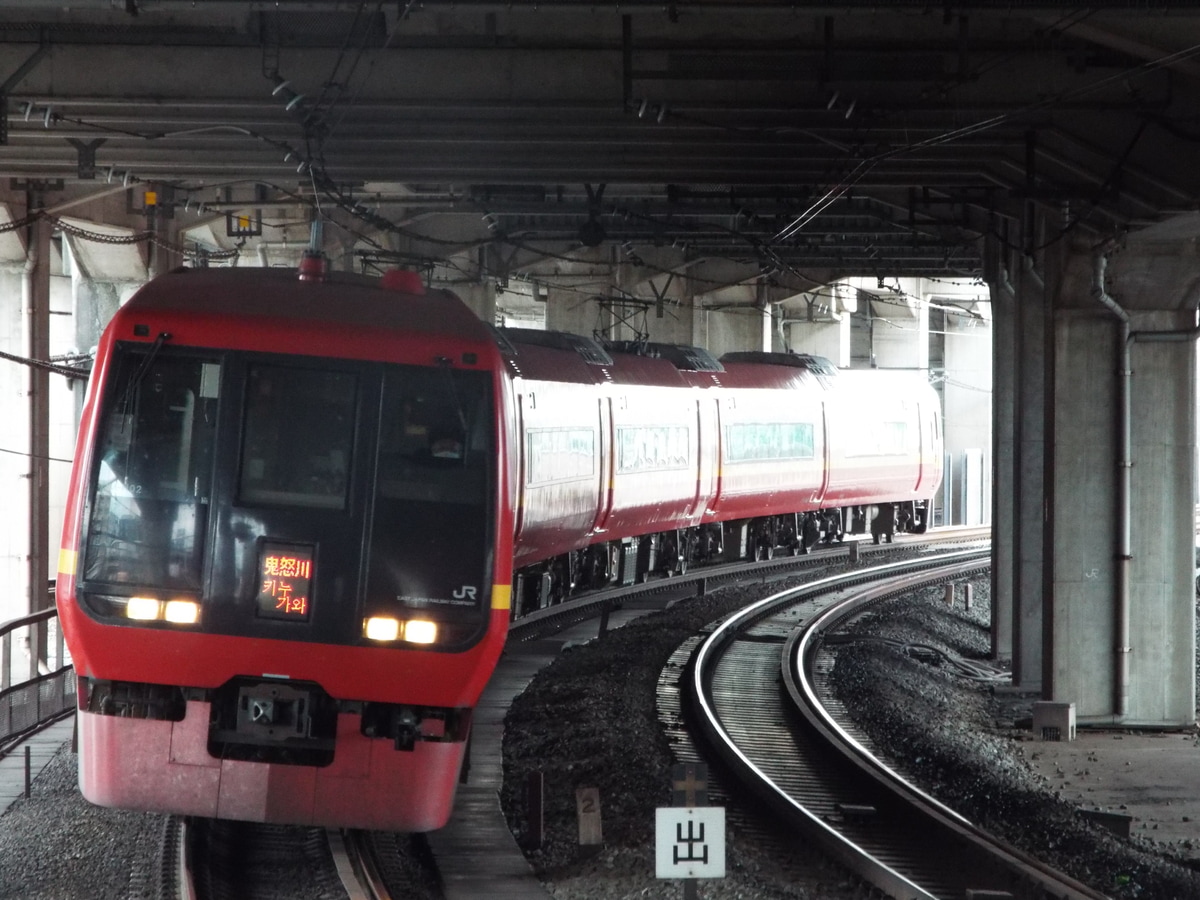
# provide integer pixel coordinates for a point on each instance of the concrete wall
(568, 310)
(829, 339)
(481, 298)
(899, 340)
(726, 330)
(967, 416)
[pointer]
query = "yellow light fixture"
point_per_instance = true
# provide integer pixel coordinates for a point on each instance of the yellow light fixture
(420, 631)
(144, 609)
(182, 612)
(382, 628)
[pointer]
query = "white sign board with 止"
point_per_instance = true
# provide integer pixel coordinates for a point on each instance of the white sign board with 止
(690, 842)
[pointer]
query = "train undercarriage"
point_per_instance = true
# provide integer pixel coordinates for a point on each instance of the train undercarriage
(670, 553)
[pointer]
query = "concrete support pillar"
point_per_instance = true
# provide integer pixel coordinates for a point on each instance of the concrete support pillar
(574, 308)
(829, 338)
(818, 322)
(36, 304)
(14, 467)
(481, 298)
(732, 318)
(1122, 634)
(1023, 372)
(900, 337)
(1004, 515)
(1096, 446)
(669, 317)
(569, 310)
(731, 329)
(36, 406)
(162, 254)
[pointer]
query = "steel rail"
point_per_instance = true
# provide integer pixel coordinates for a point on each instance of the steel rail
(354, 858)
(822, 781)
(588, 605)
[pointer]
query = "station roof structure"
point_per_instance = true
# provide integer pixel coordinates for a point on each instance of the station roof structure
(809, 140)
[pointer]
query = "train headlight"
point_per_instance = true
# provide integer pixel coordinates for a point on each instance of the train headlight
(382, 628)
(420, 631)
(144, 609)
(182, 612)
(386, 629)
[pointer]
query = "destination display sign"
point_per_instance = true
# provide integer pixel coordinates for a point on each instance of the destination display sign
(285, 582)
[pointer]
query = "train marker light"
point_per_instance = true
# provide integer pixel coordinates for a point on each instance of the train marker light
(420, 631)
(382, 628)
(182, 612)
(403, 280)
(144, 609)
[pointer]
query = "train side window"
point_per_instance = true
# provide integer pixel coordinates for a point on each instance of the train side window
(298, 437)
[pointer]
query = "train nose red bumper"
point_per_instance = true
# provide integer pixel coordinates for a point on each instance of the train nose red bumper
(163, 767)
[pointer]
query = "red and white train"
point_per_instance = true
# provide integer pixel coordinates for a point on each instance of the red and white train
(300, 506)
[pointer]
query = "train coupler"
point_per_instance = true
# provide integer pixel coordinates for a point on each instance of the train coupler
(406, 725)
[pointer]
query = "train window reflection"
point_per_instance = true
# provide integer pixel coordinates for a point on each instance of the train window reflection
(757, 441)
(154, 471)
(433, 506)
(434, 435)
(298, 437)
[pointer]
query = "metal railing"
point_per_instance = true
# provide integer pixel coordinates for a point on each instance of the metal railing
(37, 682)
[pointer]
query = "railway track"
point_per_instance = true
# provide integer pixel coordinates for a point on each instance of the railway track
(552, 619)
(220, 860)
(209, 859)
(783, 745)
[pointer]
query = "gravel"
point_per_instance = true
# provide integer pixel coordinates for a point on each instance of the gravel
(959, 739)
(57, 846)
(590, 720)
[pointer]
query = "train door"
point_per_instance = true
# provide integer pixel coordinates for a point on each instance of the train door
(823, 451)
(722, 405)
(928, 449)
(606, 457)
(704, 451)
(517, 446)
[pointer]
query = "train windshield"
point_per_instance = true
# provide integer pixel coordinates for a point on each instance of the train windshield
(380, 476)
(298, 438)
(154, 473)
(431, 511)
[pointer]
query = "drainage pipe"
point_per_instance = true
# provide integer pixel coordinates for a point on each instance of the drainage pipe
(1124, 555)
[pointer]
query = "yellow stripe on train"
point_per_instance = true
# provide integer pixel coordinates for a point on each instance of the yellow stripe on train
(67, 561)
(501, 596)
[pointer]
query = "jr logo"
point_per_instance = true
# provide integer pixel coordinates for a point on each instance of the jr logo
(466, 592)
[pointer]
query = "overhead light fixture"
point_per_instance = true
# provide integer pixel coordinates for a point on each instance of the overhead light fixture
(592, 233)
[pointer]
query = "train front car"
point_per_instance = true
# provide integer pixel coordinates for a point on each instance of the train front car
(280, 580)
